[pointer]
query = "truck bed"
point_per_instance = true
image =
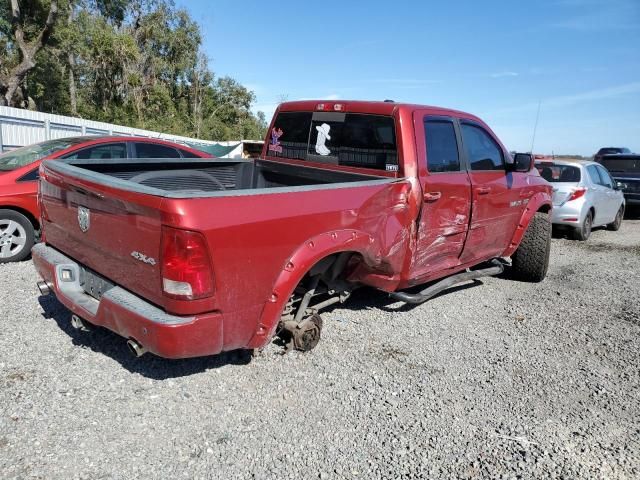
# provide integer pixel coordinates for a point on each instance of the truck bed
(178, 178)
(109, 217)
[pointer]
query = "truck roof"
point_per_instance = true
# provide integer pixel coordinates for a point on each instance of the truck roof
(372, 107)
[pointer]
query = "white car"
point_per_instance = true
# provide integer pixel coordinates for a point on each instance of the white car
(584, 196)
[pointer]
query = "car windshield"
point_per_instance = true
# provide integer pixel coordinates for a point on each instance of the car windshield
(622, 164)
(555, 173)
(29, 154)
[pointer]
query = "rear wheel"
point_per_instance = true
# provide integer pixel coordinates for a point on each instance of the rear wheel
(530, 261)
(583, 232)
(16, 236)
(617, 222)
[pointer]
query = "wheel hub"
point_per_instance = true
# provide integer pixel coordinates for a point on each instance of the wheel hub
(12, 238)
(305, 335)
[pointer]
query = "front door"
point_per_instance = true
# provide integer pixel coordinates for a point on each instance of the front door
(612, 197)
(497, 203)
(444, 218)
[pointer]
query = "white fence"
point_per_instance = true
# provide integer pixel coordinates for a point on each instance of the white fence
(23, 127)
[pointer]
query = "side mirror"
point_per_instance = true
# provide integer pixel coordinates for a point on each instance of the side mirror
(522, 162)
(619, 186)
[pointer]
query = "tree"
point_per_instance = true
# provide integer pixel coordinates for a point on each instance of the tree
(27, 40)
(133, 62)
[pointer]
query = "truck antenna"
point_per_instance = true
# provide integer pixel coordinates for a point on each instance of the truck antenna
(535, 127)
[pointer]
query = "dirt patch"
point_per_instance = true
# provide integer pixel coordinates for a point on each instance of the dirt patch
(611, 247)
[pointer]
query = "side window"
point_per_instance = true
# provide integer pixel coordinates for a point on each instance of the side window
(442, 148)
(30, 176)
(188, 154)
(483, 152)
(109, 150)
(155, 150)
(595, 176)
(606, 178)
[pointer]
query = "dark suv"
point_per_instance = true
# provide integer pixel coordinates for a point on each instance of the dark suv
(625, 170)
(610, 151)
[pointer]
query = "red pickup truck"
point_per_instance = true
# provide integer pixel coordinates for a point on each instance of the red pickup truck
(192, 257)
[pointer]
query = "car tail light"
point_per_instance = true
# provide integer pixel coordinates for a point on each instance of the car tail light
(187, 273)
(577, 193)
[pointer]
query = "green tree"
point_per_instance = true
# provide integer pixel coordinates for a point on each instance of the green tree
(132, 62)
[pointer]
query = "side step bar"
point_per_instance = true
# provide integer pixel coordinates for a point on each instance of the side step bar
(496, 268)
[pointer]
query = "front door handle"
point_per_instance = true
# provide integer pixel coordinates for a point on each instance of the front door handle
(432, 196)
(483, 190)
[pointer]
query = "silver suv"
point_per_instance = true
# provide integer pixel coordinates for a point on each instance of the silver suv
(584, 196)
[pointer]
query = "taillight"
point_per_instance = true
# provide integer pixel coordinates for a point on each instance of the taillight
(577, 193)
(187, 273)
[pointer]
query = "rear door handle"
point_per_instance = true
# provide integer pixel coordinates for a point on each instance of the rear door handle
(432, 196)
(483, 190)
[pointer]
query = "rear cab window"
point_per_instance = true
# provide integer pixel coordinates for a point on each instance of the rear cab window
(358, 140)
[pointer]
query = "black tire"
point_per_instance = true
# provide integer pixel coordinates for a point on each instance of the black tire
(583, 232)
(530, 261)
(617, 222)
(11, 234)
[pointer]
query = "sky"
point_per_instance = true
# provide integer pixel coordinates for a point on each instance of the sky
(579, 60)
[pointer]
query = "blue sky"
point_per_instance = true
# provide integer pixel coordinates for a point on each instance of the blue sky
(496, 59)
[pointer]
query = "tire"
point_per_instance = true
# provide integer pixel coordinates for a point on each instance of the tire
(530, 261)
(583, 232)
(16, 236)
(617, 222)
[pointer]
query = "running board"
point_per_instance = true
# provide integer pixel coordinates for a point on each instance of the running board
(415, 298)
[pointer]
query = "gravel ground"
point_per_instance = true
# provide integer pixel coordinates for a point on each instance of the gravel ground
(497, 379)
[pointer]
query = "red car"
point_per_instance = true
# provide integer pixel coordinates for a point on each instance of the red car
(19, 213)
(189, 259)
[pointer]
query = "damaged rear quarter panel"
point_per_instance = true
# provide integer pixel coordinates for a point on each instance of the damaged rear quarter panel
(262, 245)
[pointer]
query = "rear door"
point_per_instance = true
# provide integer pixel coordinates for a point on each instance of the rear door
(496, 201)
(446, 189)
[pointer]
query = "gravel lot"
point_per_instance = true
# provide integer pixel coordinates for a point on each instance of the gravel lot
(498, 379)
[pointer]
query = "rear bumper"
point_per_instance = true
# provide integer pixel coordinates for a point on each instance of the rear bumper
(570, 213)
(130, 316)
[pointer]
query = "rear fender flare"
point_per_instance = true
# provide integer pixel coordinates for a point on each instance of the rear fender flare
(297, 266)
(541, 201)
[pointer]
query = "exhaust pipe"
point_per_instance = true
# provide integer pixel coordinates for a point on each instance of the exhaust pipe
(45, 287)
(80, 324)
(136, 348)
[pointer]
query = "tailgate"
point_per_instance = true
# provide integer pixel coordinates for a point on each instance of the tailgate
(113, 232)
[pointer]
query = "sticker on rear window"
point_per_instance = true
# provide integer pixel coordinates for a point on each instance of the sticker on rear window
(275, 145)
(390, 167)
(323, 136)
